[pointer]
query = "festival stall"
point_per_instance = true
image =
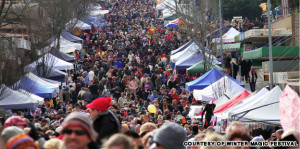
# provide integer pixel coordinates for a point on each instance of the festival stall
(190, 50)
(52, 73)
(228, 36)
(224, 87)
(38, 98)
(61, 55)
(54, 62)
(263, 109)
(207, 79)
(183, 47)
(42, 82)
(193, 59)
(66, 46)
(230, 103)
(199, 67)
(33, 87)
(78, 23)
(68, 36)
(11, 99)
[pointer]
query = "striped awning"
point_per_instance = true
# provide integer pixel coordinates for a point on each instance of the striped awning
(230, 46)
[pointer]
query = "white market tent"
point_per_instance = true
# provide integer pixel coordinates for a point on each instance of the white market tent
(181, 48)
(223, 87)
(51, 61)
(263, 109)
(38, 98)
(80, 24)
(190, 50)
(66, 46)
(244, 102)
(228, 37)
(97, 12)
(42, 82)
(11, 99)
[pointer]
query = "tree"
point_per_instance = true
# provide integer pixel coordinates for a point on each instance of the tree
(200, 18)
(244, 8)
(61, 12)
(293, 4)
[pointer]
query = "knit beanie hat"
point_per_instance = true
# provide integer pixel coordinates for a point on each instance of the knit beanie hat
(15, 121)
(9, 132)
(20, 141)
(79, 119)
(101, 104)
(170, 135)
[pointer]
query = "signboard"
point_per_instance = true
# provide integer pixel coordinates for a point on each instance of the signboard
(76, 31)
(181, 25)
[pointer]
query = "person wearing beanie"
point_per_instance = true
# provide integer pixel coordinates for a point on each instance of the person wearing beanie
(16, 121)
(77, 131)
(21, 141)
(105, 122)
(9, 132)
(169, 136)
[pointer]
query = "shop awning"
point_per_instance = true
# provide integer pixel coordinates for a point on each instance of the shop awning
(282, 52)
(229, 46)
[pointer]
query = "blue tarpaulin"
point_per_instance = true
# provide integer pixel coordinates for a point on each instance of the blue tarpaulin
(34, 87)
(71, 37)
(191, 60)
(207, 79)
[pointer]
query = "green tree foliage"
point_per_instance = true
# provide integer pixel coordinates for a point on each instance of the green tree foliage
(244, 8)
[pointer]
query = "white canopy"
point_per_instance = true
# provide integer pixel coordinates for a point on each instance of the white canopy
(11, 99)
(97, 12)
(245, 102)
(223, 87)
(67, 46)
(51, 61)
(228, 37)
(80, 24)
(192, 49)
(263, 109)
(38, 98)
(42, 82)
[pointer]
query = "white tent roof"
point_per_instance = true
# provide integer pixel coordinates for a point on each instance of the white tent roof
(67, 46)
(97, 12)
(52, 61)
(42, 82)
(245, 102)
(229, 36)
(33, 96)
(224, 86)
(172, 52)
(11, 99)
(263, 109)
(192, 49)
(80, 24)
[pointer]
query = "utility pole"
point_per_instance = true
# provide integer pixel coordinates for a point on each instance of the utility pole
(270, 46)
(220, 30)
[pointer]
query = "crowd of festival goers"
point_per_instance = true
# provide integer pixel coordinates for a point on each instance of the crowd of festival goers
(123, 70)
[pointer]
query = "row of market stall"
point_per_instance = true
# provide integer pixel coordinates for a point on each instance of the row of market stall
(46, 75)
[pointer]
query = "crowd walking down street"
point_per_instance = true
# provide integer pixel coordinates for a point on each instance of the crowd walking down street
(124, 93)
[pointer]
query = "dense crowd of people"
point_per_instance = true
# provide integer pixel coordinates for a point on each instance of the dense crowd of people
(123, 93)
